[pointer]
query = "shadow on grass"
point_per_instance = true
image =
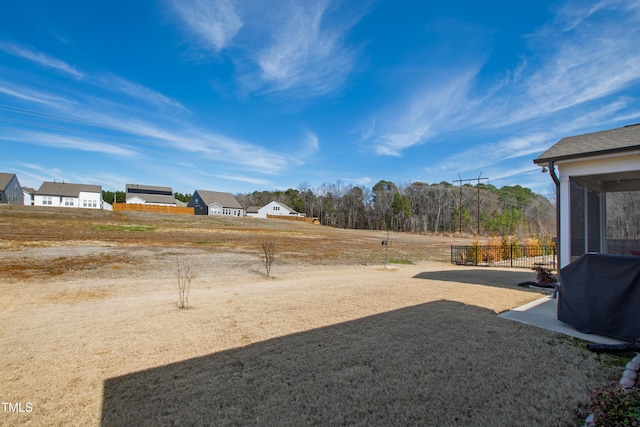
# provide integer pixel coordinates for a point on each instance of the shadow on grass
(427, 364)
(481, 276)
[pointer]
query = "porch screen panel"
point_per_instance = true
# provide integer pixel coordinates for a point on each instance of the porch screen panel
(578, 205)
(594, 221)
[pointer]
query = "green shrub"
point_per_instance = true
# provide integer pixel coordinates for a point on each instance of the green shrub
(544, 275)
(613, 405)
(474, 253)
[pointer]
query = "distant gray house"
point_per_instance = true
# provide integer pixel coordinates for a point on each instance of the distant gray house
(61, 194)
(149, 195)
(215, 203)
(10, 189)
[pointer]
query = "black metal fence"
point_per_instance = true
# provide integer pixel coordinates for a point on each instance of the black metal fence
(517, 256)
(623, 247)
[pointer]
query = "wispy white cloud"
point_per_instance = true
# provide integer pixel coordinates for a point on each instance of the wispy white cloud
(23, 93)
(244, 178)
(33, 175)
(497, 158)
(213, 23)
(307, 52)
(129, 88)
(293, 48)
(438, 106)
(517, 169)
(588, 53)
(106, 81)
(574, 77)
(363, 180)
(309, 146)
(489, 156)
(67, 142)
(39, 58)
(98, 120)
(573, 13)
(312, 142)
(211, 145)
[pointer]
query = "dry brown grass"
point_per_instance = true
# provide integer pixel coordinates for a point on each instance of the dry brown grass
(332, 338)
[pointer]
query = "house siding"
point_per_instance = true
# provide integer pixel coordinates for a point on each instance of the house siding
(89, 200)
(12, 192)
(47, 200)
(198, 205)
(274, 209)
(215, 203)
(28, 197)
(68, 196)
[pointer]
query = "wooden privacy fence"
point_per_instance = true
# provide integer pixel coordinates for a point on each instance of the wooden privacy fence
(520, 256)
(152, 208)
(295, 218)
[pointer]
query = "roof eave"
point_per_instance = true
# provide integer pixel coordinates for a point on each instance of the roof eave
(543, 161)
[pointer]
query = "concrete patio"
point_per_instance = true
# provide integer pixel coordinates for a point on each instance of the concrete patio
(542, 313)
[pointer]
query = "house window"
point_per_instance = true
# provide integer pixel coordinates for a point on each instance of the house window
(276, 208)
(68, 201)
(46, 200)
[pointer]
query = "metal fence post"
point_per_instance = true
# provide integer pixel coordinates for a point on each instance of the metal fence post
(511, 255)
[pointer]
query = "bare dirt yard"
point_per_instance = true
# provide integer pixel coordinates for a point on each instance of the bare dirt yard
(90, 331)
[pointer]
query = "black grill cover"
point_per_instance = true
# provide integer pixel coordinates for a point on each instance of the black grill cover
(601, 293)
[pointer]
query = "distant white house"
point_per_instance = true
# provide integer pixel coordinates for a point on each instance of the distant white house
(27, 193)
(215, 203)
(149, 195)
(10, 189)
(61, 194)
(273, 208)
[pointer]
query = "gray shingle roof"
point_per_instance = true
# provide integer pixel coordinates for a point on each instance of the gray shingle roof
(66, 189)
(226, 200)
(622, 139)
(150, 193)
(5, 179)
(154, 198)
(148, 189)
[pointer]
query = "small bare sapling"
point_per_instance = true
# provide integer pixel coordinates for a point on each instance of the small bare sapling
(186, 273)
(269, 253)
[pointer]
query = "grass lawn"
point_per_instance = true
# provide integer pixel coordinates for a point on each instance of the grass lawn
(91, 333)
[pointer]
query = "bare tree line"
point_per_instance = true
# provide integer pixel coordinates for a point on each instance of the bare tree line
(623, 215)
(420, 207)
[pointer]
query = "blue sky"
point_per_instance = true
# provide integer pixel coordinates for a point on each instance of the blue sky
(261, 95)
